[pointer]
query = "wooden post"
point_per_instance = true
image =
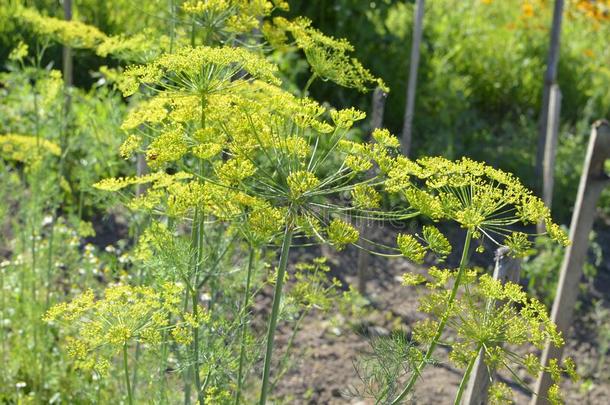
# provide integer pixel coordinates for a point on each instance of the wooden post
(364, 257)
(550, 77)
(550, 149)
(507, 269)
(407, 134)
(378, 108)
(592, 181)
(67, 51)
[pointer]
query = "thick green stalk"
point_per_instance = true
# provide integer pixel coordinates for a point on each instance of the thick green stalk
(198, 239)
(277, 298)
(242, 322)
(126, 371)
(441, 326)
(465, 378)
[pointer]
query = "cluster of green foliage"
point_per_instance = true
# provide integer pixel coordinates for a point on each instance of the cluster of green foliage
(198, 134)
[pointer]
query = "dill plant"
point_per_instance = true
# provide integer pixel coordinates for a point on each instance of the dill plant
(242, 164)
(488, 204)
(246, 153)
(45, 212)
(255, 154)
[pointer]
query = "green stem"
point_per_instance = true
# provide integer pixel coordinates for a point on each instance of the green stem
(441, 325)
(277, 297)
(242, 322)
(283, 366)
(465, 378)
(134, 379)
(308, 84)
(126, 371)
(50, 264)
(163, 366)
(200, 396)
(172, 29)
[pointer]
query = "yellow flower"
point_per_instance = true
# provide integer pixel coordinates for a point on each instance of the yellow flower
(411, 248)
(301, 182)
(341, 233)
(527, 9)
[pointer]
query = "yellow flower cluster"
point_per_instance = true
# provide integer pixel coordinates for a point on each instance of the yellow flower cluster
(19, 52)
(202, 70)
(137, 47)
(485, 200)
(300, 182)
(513, 319)
(365, 196)
(411, 248)
(328, 57)
(72, 33)
(341, 233)
(233, 16)
(76, 34)
(26, 148)
(159, 180)
(123, 315)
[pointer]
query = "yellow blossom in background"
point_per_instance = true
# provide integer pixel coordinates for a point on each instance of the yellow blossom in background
(328, 57)
(19, 52)
(26, 148)
(527, 9)
(72, 33)
(125, 314)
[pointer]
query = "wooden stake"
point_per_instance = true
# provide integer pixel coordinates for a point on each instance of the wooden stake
(507, 269)
(550, 77)
(412, 84)
(67, 51)
(592, 181)
(550, 149)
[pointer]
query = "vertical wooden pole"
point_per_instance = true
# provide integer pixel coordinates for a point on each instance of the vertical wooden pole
(67, 51)
(592, 182)
(550, 77)
(407, 130)
(378, 108)
(364, 257)
(550, 149)
(507, 269)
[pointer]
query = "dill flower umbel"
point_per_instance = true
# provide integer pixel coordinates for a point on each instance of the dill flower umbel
(328, 57)
(487, 203)
(483, 200)
(72, 33)
(26, 148)
(102, 327)
(513, 319)
(201, 70)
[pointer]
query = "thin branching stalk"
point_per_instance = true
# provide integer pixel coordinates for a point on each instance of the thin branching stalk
(200, 396)
(283, 364)
(277, 298)
(308, 84)
(126, 372)
(441, 326)
(465, 378)
(242, 323)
